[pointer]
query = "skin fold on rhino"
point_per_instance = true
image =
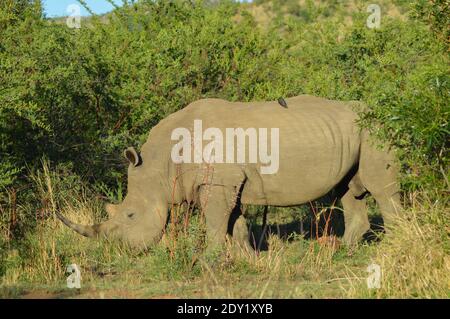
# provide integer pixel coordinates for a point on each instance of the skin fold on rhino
(320, 147)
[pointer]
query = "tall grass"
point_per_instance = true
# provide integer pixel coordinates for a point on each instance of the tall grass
(48, 247)
(414, 257)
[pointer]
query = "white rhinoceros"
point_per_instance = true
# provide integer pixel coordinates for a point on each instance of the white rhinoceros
(315, 145)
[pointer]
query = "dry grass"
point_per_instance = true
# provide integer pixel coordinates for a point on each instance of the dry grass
(49, 246)
(414, 258)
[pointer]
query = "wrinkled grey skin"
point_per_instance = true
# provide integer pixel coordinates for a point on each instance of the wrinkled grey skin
(320, 146)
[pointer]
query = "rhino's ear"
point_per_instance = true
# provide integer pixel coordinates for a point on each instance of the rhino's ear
(132, 156)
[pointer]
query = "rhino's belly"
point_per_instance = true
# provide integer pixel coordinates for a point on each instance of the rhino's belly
(299, 180)
(286, 193)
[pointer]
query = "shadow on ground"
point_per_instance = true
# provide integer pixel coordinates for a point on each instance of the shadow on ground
(310, 230)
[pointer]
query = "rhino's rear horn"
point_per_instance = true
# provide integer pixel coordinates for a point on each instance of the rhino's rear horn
(132, 156)
(87, 231)
(112, 210)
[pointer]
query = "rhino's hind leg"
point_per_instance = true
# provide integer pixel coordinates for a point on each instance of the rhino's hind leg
(378, 171)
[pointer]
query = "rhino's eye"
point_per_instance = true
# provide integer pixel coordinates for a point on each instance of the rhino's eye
(130, 215)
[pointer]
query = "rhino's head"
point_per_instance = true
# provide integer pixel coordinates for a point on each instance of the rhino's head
(140, 218)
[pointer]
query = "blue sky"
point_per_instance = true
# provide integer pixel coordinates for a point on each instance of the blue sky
(57, 8)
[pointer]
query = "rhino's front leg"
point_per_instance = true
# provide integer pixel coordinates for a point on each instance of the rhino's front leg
(217, 202)
(355, 218)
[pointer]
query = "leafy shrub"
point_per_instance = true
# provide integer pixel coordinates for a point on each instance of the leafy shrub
(436, 14)
(82, 96)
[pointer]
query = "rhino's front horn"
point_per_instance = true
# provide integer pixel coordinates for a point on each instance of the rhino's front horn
(87, 231)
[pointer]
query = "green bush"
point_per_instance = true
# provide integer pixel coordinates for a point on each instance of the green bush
(82, 96)
(436, 14)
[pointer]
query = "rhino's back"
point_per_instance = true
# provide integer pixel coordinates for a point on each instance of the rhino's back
(220, 112)
(318, 143)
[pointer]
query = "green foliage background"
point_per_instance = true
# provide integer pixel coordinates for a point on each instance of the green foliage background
(78, 97)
